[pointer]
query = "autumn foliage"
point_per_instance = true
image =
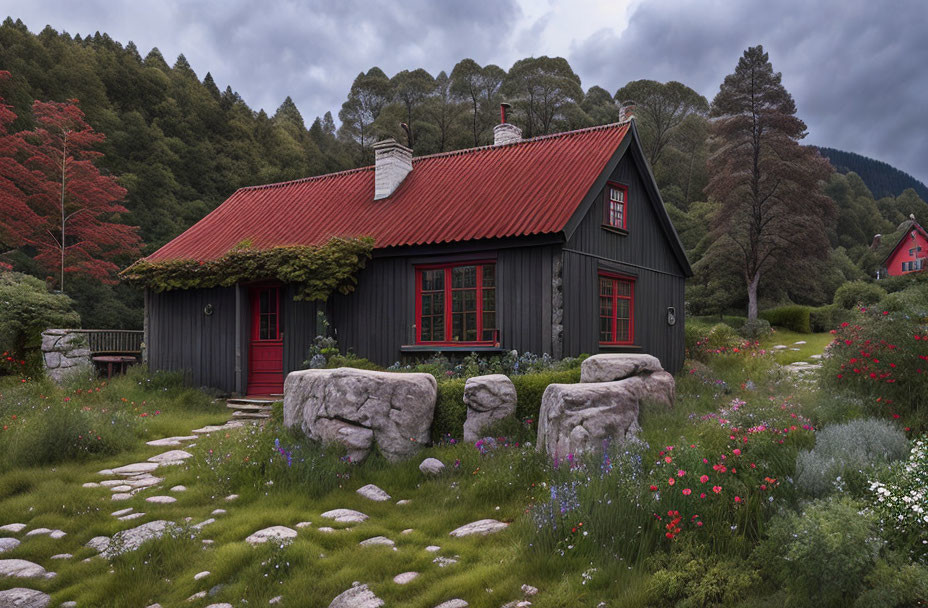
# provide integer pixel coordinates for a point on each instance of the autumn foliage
(54, 200)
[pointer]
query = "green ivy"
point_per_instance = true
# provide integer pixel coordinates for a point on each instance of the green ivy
(315, 271)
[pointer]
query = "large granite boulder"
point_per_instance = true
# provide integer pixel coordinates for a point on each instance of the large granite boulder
(360, 408)
(489, 399)
(576, 418)
(66, 355)
(618, 366)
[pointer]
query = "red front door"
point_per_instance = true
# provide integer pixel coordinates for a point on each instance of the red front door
(266, 348)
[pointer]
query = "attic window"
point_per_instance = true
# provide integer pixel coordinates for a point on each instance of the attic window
(616, 206)
(456, 304)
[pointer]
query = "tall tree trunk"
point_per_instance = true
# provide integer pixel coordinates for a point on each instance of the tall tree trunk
(752, 297)
(64, 156)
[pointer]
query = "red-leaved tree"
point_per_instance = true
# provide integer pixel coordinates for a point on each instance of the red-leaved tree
(79, 231)
(17, 220)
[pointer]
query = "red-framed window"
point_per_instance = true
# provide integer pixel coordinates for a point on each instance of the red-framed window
(616, 206)
(616, 309)
(266, 311)
(456, 303)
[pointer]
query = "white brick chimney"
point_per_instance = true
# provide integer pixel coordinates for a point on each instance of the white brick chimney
(392, 163)
(504, 132)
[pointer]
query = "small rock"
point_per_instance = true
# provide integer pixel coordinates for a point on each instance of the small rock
(372, 492)
(221, 605)
(407, 531)
(199, 595)
(161, 500)
(529, 590)
(799, 343)
(144, 481)
(13, 528)
(345, 516)
(405, 578)
(20, 568)
(8, 544)
(121, 496)
(276, 599)
(200, 575)
(98, 543)
(121, 488)
(326, 529)
(38, 532)
(304, 524)
(455, 603)
(231, 497)
(444, 561)
(62, 556)
(204, 523)
(131, 516)
(402, 502)
(91, 484)
(377, 540)
(170, 441)
(433, 548)
(122, 512)
(481, 527)
(179, 489)
(359, 596)
(218, 512)
(432, 466)
(279, 532)
(208, 541)
(56, 534)
(20, 597)
(70, 604)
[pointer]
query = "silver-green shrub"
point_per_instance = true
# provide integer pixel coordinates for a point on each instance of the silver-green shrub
(844, 452)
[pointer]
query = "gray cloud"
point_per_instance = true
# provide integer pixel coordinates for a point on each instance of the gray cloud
(856, 68)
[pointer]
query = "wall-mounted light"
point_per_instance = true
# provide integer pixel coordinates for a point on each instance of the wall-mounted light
(208, 310)
(671, 316)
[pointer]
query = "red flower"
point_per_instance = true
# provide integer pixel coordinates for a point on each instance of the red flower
(671, 481)
(687, 491)
(653, 488)
(704, 478)
(716, 489)
(737, 499)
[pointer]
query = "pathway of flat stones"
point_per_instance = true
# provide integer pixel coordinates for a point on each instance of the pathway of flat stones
(131, 479)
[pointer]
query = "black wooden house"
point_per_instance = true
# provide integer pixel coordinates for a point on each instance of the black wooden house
(559, 244)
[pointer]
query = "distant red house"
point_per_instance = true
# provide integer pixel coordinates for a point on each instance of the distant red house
(909, 253)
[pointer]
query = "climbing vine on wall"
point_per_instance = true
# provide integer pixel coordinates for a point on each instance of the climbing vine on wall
(314, 271)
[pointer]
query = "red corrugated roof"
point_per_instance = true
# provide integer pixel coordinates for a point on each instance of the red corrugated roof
(529, 187)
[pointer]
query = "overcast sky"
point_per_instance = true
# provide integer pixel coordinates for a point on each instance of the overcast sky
(858, 69)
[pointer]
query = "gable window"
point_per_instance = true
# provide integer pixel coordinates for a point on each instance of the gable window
(616, 206)
(456, 304)
(616, 309)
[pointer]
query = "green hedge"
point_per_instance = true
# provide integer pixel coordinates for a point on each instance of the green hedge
(794, 318)
(450, 411)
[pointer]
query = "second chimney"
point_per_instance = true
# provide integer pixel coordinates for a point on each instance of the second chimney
(504, 132)
(392, 163)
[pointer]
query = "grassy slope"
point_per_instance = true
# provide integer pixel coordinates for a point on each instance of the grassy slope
(319, 565)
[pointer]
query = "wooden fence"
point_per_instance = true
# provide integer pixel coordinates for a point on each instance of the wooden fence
(112, 341)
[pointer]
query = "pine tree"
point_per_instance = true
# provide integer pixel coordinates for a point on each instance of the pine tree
(773, 213)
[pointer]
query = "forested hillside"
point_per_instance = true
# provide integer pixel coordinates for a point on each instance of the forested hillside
(883, 179)
(179, 146)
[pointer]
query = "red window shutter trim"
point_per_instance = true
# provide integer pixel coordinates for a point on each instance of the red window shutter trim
(616, 280)
(447, 303)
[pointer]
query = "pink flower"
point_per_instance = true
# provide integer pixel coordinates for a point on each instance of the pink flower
(737, 499)
(716, 489)
(671, 481)
(687, 491)
(681, 473)
(704, 478)
(736, 452)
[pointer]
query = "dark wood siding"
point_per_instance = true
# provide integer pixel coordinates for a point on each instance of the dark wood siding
(644, 253)
(299, 320)
(183, 338)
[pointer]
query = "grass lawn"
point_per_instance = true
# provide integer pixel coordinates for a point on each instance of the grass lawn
(283, 480)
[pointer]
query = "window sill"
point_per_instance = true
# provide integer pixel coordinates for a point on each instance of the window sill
(619, 348)
(619, 231)
(464, 348)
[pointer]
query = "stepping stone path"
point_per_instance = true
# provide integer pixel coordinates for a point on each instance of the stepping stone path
(171, 441)
(481, 527)
(131, 516)
(372, 492)
(38, 532)
(179, 489)
(122, 512)
(19, 597)
(161, 500)
(405, 578)
(455, 603)
(91, 484)
(377, 540)
(13, 528)
(8, 544)
(121, 496)
(131, 469)
(206, 430)
(432, 466)
(359, 596)
(171, 457)
(345, 516)
(133, 538)
(326, 529)
(20, 568)
(282, 533)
